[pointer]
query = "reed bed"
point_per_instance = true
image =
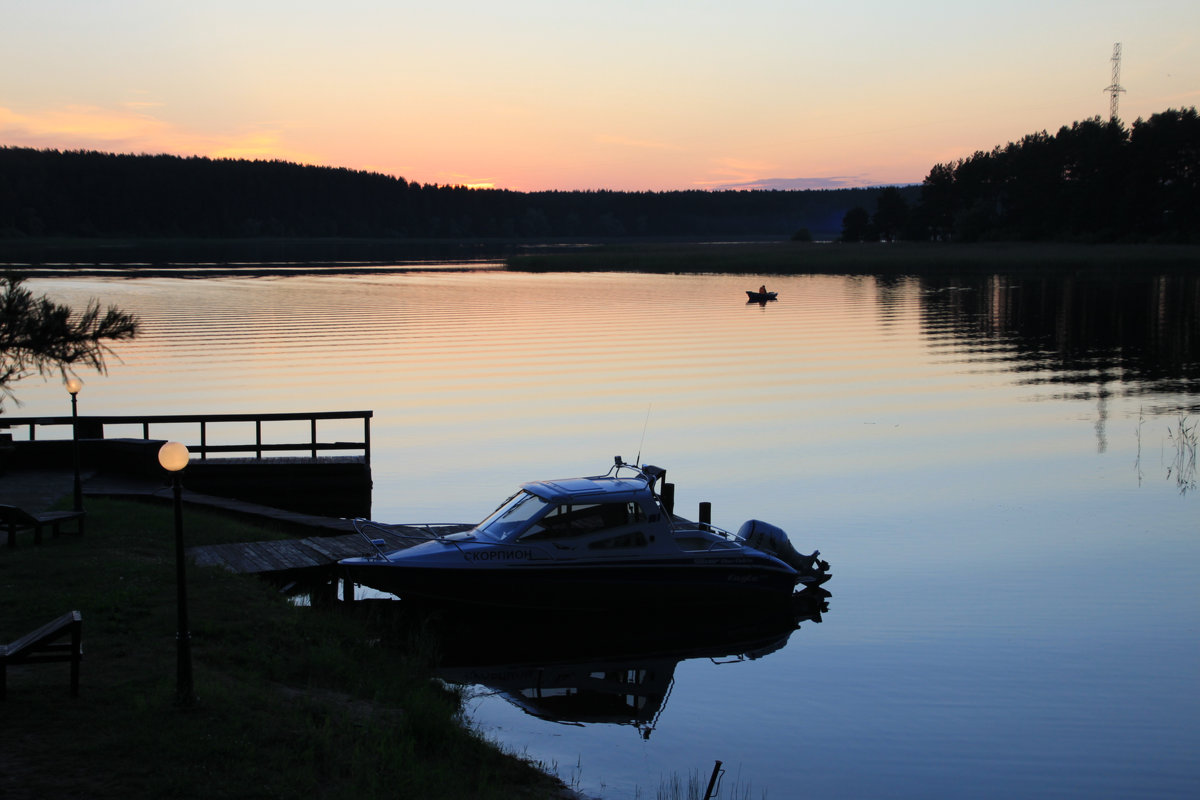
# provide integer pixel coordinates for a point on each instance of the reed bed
(788, 258)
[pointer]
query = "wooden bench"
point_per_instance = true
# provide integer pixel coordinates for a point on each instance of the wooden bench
(43, 646)
(17, 519)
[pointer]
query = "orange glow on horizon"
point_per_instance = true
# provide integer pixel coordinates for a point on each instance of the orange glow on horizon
(639, 97)
(133, 128)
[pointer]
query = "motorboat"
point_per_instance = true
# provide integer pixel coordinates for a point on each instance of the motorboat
(760, 297)
(593, 543)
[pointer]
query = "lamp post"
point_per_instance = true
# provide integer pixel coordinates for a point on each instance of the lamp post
(173, 457)
(73, 386)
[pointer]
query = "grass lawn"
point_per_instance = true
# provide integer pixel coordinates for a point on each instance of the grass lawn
(291, 701)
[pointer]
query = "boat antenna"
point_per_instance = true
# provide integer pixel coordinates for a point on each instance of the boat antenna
(637, 461)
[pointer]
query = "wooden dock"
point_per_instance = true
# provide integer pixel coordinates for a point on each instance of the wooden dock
(279, 460)
(309, 554)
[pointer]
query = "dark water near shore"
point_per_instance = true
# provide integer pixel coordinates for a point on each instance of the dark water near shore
(998, 470)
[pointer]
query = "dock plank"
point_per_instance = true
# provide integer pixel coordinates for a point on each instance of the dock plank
(255, 553)
(251, 554)
(335, 548)
(286, 555)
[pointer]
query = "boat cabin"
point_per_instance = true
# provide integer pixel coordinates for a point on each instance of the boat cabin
(601, 513)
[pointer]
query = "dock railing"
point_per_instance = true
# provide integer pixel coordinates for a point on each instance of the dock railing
(93, 427)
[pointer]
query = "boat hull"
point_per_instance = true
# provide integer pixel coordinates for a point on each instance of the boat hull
(576, 587)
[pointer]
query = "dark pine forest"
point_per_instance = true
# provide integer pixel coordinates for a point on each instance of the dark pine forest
(47, 193)
(1093, 181)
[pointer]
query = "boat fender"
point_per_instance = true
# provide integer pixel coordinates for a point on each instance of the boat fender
(774, 541)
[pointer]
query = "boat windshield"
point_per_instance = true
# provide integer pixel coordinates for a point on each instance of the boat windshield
(512, 517)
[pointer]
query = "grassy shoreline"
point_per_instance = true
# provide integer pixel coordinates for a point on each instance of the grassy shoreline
(292, 701)
(792, 258)
(754, 256)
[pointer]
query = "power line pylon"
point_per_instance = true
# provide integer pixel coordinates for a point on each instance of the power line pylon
(1114, 90)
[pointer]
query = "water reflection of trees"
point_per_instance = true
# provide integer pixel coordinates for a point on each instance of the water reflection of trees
(1126, 335)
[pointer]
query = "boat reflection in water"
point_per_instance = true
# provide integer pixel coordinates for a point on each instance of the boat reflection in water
(605, 671)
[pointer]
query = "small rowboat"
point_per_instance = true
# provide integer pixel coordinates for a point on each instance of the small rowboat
(759, 297)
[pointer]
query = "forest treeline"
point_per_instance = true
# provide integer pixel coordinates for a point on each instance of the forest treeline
(1092, 181)
(50, 193)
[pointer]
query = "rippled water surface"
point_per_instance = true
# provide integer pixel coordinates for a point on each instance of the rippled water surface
(998, 471)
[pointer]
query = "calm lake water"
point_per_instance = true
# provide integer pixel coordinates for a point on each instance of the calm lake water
(994, 467)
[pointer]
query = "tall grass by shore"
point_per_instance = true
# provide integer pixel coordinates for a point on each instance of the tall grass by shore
(292, 701)
(778, 257)
(787, 258)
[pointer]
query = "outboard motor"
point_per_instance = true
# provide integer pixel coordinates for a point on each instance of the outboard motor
(774, 541)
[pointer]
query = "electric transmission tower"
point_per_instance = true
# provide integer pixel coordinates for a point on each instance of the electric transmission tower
(1114, 90)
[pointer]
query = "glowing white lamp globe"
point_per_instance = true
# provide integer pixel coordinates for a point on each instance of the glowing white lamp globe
(74, 385)
(173, 456)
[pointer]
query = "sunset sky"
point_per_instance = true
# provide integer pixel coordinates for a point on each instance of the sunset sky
(559, 94)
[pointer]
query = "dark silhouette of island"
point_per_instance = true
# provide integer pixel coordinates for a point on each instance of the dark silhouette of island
(1093, 181)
